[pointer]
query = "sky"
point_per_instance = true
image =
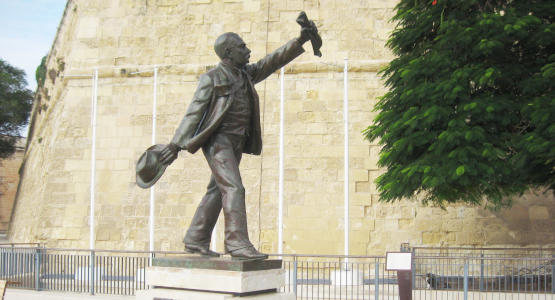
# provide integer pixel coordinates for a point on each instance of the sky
(27, 31)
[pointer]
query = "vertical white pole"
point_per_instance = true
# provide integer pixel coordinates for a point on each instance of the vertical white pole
(213, 239)
(94, 101)
(280, 193)
(346, 153)
(151, 218)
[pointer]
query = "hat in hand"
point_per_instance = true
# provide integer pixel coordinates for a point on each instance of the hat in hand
(149, 168)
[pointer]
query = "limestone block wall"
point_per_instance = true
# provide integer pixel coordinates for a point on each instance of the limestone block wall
(9, 179)
(125, 39)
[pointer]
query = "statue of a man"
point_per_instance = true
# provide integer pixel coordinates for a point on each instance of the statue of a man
(224, 120)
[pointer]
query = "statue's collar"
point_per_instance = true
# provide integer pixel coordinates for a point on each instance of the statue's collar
(232, 70)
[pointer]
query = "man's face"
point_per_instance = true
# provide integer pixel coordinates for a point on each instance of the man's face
(238, 52)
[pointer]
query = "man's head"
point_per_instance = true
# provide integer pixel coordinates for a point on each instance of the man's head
(230, 46)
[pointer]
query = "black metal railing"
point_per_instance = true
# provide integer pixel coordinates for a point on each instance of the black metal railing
(473, 276)
(494, 252)
(451, 273)
(74, 270)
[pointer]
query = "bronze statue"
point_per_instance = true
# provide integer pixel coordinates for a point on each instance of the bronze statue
(224, 120)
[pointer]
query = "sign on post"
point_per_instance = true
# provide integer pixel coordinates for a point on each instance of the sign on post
(402, 263)
(398, 261)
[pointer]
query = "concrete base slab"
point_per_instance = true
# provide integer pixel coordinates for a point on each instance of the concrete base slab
(215, 280)
(175, 294)
(347, 277)
(83, 273)
(19, 294)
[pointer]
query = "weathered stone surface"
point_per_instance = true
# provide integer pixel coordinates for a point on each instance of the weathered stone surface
(9, 179)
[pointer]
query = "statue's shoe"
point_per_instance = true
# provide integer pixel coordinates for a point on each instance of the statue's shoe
(248, 253)
(202, 250)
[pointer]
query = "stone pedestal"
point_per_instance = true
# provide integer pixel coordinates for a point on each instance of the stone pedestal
(199, 278)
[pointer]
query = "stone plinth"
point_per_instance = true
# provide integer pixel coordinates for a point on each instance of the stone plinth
(213, 278)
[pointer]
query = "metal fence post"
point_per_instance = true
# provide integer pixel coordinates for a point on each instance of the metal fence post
(481, 272)
(37, 268)
(377, 281)
(465, 280)
(295, 276)
(91, 272)
(553, 274)
(413, 267)
(151, 256)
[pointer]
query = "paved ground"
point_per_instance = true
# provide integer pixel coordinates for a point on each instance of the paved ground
(17, 294)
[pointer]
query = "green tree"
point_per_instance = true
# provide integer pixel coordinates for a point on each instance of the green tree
(15, 105)
(470, 112)
(40, 72)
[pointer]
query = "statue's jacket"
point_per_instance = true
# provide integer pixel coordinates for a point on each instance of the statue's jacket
(215, 94)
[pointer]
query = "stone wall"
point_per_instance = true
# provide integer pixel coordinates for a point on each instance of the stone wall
(9, 178)
(122, 37)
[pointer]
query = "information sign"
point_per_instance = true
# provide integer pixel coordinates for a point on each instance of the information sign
(398, 261)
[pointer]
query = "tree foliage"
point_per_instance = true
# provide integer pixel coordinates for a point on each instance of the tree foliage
(470, 112)
(15, 105)
(40, 72)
